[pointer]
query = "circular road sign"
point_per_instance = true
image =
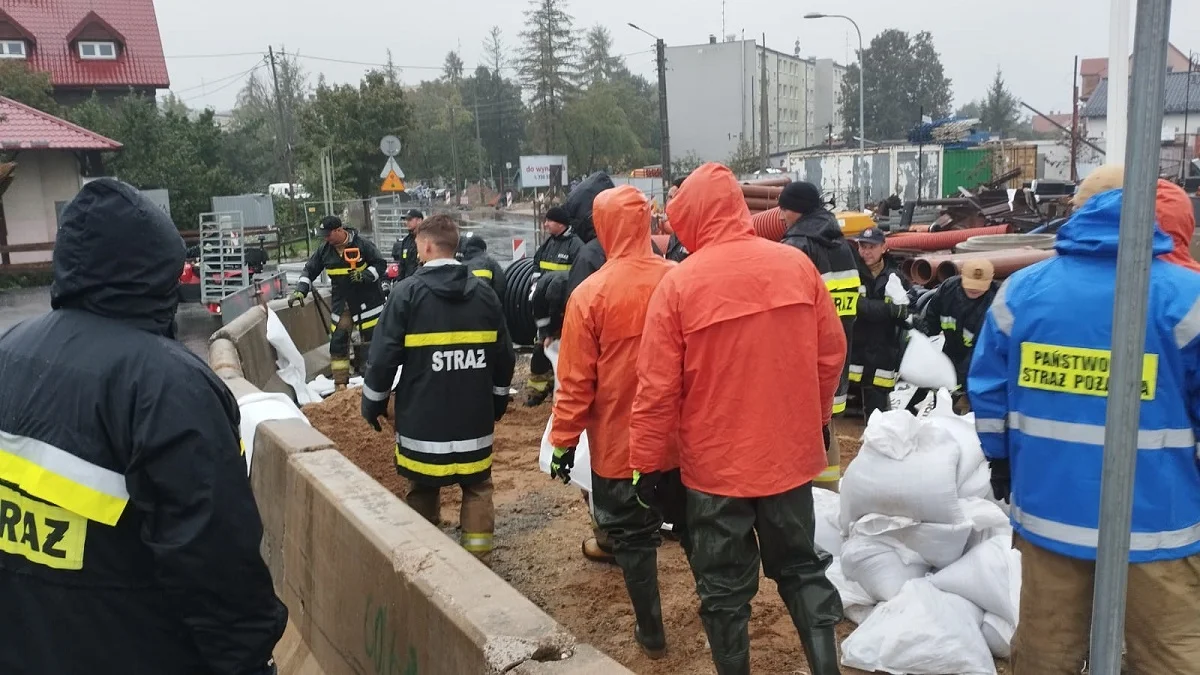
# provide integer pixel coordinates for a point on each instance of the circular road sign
(390, 146)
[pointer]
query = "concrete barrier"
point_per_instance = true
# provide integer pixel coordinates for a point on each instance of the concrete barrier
(247, 335)
(371, 587)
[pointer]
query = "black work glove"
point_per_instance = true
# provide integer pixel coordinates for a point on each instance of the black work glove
(898, 312)
(1001, 479)
(646, 487)
(562, 463)
(373, 410)
(499, 405)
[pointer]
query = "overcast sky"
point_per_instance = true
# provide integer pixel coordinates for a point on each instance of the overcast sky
(1033, 41)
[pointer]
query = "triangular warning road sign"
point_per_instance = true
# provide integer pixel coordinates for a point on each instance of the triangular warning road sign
(392, 183)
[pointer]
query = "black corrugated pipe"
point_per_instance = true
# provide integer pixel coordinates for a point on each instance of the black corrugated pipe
(518, 311)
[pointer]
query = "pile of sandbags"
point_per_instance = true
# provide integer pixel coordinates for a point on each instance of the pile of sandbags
(924, 562)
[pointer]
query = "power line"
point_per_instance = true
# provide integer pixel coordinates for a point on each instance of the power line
(359, 63)
(219, 80)
(212, 56)
(235, 80)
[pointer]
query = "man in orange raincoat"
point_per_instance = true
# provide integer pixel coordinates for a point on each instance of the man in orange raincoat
(741, 356)
(597, 371)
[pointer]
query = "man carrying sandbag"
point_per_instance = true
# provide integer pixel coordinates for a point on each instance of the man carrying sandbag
(956, 310)
(597, 372)
(741, 312)
(1038, 386)
(879, 327)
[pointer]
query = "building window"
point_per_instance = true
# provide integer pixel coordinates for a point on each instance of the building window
(12, 49)
(98, 50)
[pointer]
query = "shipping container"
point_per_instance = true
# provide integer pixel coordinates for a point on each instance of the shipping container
(966, 167)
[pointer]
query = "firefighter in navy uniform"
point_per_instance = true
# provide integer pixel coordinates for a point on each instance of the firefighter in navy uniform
(556, 255)
(879, 326)
(354, 267)
(958, 308)
(129, 537)
(473, 252)
(404, 251)
(815, 230)
(446, 327)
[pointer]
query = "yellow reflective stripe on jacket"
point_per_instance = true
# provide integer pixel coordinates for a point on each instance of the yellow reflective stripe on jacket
(554, 267)
(458, 337)
(342, 271)
(486, 274)
(442, 470)
(63, 479)
(41, 533)
(369, 324)
(845, 288)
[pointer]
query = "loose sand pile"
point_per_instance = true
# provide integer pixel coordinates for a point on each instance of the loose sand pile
(540, 524)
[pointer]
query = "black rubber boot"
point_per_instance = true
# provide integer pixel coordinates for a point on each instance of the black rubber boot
(647, 610)
(735, 666)
(820, 646)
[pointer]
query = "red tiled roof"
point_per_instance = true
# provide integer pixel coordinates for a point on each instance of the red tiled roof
(53, 22)
(25, 128)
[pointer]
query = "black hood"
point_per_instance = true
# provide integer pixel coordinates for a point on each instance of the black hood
(447, 281)
(471, 246)
(118, 255)
(821, 226)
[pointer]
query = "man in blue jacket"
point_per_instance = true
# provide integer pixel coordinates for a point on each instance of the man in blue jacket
(1038, 384)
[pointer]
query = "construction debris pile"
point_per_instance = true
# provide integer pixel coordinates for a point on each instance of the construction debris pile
(924, 560)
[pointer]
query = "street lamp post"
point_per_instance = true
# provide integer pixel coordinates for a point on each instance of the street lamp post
(660, 49)
(862, 123)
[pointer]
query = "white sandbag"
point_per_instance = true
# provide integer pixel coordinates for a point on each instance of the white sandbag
(880, 565)
(581, 472)
(288, 359)
(263, 407)
(901, 473)
(985, 576)
(925, 365)
(962, 428)
(894, 290)
(921, 631)
(998, 634)
(977, 484)
(988, 521)
(827, 504)
(938, 544)
(856, 603)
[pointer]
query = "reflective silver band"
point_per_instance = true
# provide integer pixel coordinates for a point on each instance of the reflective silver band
(444, 447)
(1000, 311)
(1189, 327)
(1087, 537)
(989, 426)
(373, 395)
(1093, 434)
(500, 391)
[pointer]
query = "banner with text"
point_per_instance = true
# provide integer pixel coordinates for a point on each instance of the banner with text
(535, 170)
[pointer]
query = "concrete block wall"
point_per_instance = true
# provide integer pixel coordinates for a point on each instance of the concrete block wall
(248, 335)
(371, 587)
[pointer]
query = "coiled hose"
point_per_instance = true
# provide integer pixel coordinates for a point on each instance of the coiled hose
(518, 311)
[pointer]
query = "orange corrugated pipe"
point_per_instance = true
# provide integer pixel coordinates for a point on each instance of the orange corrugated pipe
(774, 182)
(938, 241)
(768, 224)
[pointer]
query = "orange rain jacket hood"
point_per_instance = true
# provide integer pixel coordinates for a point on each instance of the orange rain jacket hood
(741, 353)
(1173, 210)
(602, 331)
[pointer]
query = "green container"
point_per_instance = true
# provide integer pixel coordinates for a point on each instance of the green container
(965, 168)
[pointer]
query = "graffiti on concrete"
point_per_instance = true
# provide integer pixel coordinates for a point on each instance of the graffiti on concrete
(379, 638)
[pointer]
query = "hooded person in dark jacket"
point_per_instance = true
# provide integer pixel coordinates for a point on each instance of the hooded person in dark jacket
(133, 536)
(815, 230)
(473, 252)
(554, 258)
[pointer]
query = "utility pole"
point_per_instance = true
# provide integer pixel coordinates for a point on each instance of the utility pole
(454, 147)
(1187, 106)
(1075, 122)
(663, 121)
(765, 112)
(285, 132)
(1134, 255)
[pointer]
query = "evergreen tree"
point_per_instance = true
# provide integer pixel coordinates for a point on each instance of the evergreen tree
(548, 68)
(999, 111)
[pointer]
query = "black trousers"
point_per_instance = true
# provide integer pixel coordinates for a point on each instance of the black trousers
(731, 536)
(538, 363)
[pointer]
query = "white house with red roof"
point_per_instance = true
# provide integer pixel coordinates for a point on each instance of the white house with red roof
(52, 158)
(102, 46)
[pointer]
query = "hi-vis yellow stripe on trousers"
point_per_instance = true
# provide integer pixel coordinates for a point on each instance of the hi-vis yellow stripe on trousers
(477, 542)
(443, 470)
(57, 476)
(458, 337)
(844, 287)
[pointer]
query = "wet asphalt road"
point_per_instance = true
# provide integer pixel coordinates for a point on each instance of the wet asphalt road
(195, 323)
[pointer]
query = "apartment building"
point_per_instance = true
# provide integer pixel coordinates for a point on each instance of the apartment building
(715, 98)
